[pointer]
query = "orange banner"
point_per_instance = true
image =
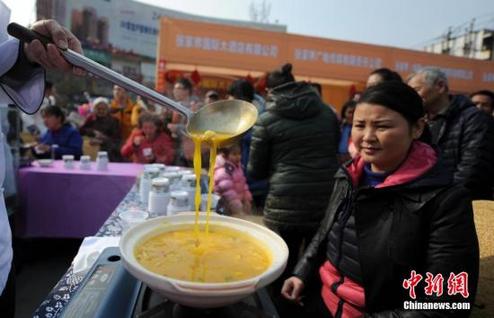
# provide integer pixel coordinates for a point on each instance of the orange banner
(200, 43)
(183, 41)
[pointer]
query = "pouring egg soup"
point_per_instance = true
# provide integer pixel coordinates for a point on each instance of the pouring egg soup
(223, 255)
(203, 254)
(214, 139)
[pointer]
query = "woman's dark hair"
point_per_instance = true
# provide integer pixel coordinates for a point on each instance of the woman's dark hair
(225, 151)
(485, 92)
(399, 97)
(280, 76)
(185, 83)
(241, 89)
(348, 104)
(387, 75)
(213, 95)
(54, 111)
(147, 117)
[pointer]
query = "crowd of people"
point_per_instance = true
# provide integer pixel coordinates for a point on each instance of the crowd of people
(363, 199)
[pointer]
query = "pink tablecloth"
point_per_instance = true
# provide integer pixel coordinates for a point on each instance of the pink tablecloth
(59, 202)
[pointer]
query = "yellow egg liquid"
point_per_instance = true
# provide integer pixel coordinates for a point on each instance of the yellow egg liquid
(213, 139)
(204, 254)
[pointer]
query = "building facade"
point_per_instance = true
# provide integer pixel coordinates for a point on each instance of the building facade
(475, 44)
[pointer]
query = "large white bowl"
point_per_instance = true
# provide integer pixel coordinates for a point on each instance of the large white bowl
(196, 294)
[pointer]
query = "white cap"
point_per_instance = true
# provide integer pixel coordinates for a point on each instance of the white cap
(160, 166)
(160, 182)
(172, 169)
(179, 198)
(151, 172)
(172, 176)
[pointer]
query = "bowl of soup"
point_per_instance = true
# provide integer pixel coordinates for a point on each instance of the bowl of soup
(203, 270)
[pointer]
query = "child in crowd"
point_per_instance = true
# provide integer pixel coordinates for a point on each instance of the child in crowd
(230, 183)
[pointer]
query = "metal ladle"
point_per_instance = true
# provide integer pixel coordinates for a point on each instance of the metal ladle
(230, 117)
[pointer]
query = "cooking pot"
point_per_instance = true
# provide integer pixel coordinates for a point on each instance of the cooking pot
(199, 294)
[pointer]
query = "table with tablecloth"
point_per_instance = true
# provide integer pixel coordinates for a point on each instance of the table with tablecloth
(70, 203)
(61, 294)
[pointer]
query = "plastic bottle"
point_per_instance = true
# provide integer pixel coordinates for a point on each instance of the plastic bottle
(161, 167)
(174, 179)
(159, 197)
(145, 183)
(102, 161)
(188, 184)
(179, 202)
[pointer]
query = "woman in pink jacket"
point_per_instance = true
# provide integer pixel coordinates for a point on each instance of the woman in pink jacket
(230, 183)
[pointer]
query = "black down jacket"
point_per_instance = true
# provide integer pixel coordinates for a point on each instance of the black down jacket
(466, 140)
(294, 144)
(424, 225)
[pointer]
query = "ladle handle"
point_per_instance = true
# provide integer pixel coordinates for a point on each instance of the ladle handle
(25, 34)
(79, 60)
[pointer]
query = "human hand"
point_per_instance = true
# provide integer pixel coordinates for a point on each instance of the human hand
(94, 142)
(50, 57)
(137, 140)
(148, 154)
(42, 148)
(292, 289)
(99, 135)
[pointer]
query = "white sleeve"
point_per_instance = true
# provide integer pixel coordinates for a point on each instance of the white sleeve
(25, 89)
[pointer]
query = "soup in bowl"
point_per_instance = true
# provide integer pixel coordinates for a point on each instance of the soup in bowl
(203, 270)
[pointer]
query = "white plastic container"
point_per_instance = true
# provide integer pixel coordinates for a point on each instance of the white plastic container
(179, 202)
(159, 197)
(145, 183)
(174, 178)
(102, 161)
(85, 163)
(214, 201)
(188, 184)
(172, 169)
(68, 161)
(161, 167)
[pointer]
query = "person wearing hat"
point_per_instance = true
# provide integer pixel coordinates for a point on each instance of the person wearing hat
(394, 218)
(103, 129)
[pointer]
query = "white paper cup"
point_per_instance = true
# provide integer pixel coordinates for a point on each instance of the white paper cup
(68, 161)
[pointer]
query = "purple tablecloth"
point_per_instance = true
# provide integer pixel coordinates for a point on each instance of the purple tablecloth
(71, 203)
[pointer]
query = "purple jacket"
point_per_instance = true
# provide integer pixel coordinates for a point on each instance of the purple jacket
(230, 182)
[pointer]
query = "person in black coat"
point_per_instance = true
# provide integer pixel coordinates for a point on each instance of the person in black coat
(294, 145)
(464, 134)
(394, 216)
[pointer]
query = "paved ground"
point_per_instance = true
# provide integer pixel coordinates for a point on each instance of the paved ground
(40, 264)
